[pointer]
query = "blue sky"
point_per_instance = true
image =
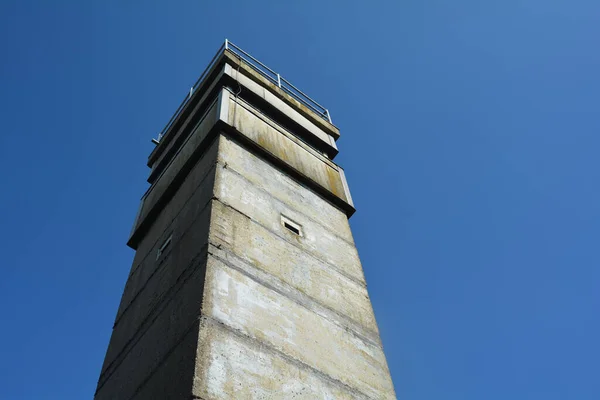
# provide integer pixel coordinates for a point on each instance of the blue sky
(470, 137)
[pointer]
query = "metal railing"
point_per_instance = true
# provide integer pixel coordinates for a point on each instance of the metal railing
(259, 67)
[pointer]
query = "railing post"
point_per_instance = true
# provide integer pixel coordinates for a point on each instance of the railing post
(328, 115)
(226, 44)
(191, 91)
(278, 80)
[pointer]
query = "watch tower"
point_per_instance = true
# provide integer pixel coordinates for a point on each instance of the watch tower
(246, 283)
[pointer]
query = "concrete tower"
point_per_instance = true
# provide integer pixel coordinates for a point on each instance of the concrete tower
(246, 283)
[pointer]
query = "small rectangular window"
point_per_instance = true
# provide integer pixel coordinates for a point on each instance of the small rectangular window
(164, 247)
(291, 226)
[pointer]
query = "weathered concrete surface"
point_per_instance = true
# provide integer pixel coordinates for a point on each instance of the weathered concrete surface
(293, 332)
(295, 105)
(151, 202)
(238, 306)
(201, 101)
(286, 147)
(151, 346)
(231, 366)
(308, 162)
(150, 278)
(161, 283)
(282, 188)
(172, 378)
(286, 260)
(153, 283)
(327, 139)
(317, 240)
(174, 219)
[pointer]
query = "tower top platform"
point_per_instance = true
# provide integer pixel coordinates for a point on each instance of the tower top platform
(233, 66)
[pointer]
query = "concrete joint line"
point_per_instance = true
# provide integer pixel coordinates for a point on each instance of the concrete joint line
(298, 140)
(298, 297)
(153, 315)
(275, 199)
(214, 165)
(162, 360)
(292, 360)
(171, 189)
(180, 149)
(157, 269)
(120, 317)
(235, 136)
(309, 253)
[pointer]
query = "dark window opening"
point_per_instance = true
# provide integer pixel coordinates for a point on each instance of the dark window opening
(164, 247)
(291, 225)
(292, 228)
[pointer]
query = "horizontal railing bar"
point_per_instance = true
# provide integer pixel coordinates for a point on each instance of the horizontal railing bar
(209, 66)
(257, 68)
(267, 74)
(282, 78)
(187, 98)
(302, 93)
(254, 59)
(307, 104)
(262, 69)
(254, 67)
(321, 111)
